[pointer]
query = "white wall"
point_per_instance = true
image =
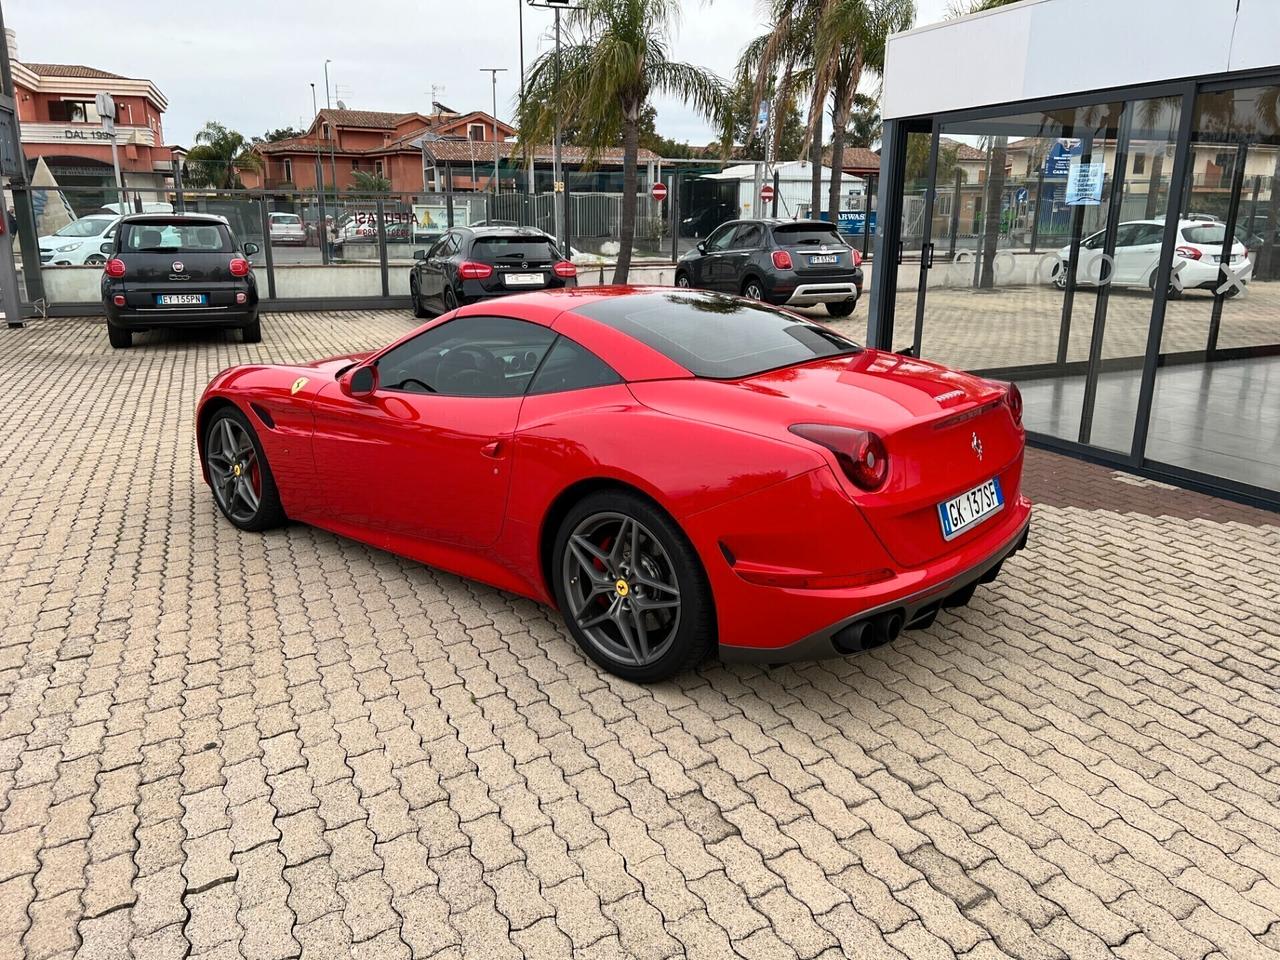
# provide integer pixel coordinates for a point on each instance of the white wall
(1043, 48)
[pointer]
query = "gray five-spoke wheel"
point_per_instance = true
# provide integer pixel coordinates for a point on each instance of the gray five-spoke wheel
(753, 291)
(234, 470)
(621, 588)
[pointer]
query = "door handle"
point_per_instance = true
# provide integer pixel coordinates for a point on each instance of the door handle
(928, 256)
(494, 450)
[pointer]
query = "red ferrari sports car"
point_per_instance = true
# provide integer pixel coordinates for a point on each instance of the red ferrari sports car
(676, 471)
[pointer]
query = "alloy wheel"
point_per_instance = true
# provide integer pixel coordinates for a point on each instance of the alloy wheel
(753, 291)
(682, 280)
(621, 588)
(234, 470)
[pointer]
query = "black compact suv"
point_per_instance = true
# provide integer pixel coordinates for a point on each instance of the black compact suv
(797, 263)
(476, 263)
(179, 270)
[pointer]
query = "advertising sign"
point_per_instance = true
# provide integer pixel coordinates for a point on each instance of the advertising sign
(854, 221)
(1084, 184)
(432, 218)
(1061, 156)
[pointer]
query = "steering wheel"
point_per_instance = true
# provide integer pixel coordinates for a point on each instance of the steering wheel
(469, 366)
(422, 383)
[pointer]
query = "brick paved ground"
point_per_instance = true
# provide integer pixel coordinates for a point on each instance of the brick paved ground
(221, 745)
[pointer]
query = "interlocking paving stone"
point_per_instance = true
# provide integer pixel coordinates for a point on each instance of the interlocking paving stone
(216, 744)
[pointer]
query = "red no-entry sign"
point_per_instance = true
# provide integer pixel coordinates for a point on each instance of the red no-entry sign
(766, 193)
(658, 191)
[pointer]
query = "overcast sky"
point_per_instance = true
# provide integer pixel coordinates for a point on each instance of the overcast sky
(249, 64)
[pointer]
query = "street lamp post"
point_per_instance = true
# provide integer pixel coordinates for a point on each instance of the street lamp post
(493, 73)
(527, 159)
(333, 133)
(557, 173)
(322, 224)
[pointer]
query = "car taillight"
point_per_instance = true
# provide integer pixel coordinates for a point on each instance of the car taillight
(1013, 397)
(239, 267)
(564, 269)
(115, 267)
(860, 453)
(1189, 253)
(857, 258)
(470, 270)
(782, 259)
(118, 299)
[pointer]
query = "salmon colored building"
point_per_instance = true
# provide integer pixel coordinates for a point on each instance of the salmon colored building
(59, 122)
(340, 142)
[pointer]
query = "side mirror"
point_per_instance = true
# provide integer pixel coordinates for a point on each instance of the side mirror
(909, 351)
(250, 248)
(702, 246)
(419, 254)
(360, 383)
(106, 247)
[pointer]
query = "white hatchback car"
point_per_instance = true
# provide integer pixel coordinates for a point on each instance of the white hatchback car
(1137, 257)
(79, 243)
(286, 228)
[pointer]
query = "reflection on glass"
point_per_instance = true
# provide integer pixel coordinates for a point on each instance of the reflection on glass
(1217, 393)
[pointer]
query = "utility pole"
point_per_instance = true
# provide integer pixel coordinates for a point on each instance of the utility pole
(557, 170)
(528, 164)
(333, 132)
(493, 74)
(322, 223)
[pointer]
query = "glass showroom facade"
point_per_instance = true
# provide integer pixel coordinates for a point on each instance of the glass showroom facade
(1116, 255)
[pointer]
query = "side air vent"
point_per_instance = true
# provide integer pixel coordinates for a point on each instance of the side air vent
(264, 415)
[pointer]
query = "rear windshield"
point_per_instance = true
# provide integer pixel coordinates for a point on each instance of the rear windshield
(1212, 234)
(715, 336)
(513, 248)
(795, 234)
(169, 237)
(285, 218)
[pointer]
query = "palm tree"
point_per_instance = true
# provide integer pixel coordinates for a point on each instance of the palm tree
(218, 152)
(365, 181)
(616, 57)
(827, 45)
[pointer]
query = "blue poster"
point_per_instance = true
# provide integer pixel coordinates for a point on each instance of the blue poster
(1061, 156)
(854, 221)
(1084, 184)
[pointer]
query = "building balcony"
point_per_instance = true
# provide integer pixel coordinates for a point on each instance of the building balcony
(86, 134)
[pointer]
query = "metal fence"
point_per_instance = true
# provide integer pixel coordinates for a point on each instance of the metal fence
(316, 247)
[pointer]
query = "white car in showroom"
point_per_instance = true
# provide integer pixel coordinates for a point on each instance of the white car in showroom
(286, 228)
(1137, 257)
(79, 243)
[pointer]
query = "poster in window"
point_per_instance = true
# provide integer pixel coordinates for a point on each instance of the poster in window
(1084, 184)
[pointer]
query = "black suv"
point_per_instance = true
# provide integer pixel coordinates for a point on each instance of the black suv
(179, 270)
(799, 263)
(476, 263)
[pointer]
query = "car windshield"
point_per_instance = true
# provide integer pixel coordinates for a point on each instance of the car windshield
(168, 237)
(796, 234)
(1211, 234)
(513, 248)
(289, 218)
(88, 227)
(718, 337)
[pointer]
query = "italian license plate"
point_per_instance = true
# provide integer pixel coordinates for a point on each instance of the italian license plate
(181, 299)
(823, 258)
(523, 279)
(970, 508)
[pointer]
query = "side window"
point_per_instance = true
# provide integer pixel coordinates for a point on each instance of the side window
(720, 239)
(1150, 233)
(571, 367)
(1095, 242)
(749, 237)
(1127, 234)
(437, 248)
(468, 357)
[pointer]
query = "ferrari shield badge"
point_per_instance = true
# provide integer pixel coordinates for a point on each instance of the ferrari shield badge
(298, 385)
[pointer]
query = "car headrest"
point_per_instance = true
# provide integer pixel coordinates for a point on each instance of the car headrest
(149, 237)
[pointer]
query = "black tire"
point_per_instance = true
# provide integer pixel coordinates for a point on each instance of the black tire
(419, 310)
(121, 339)
(683, 281)
(752, 289)
(269, 511)
(252, 332)
(690, 638)
(450, 300)
(842, 309)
